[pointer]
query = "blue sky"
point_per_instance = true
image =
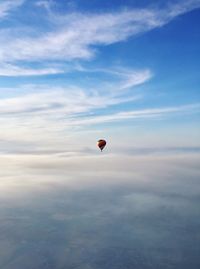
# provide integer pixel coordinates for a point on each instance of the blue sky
(74, 71)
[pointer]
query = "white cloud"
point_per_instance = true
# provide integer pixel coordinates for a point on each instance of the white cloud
(44, 4)
(33, 171)
(181, 7)
(9, 70)
(78, 34)
(39, 114)
(140, 114)
(49, 114)
(9, 5)
(72, 99)
(135, 78)
(67, 101)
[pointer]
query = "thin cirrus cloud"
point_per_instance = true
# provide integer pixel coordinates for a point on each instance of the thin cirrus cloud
(10, 70)
(151, 113)
(68, 42)
(57, 108)
(70, 100)
(76, 105)
(50, 123)
(7, 6)
(181, 7)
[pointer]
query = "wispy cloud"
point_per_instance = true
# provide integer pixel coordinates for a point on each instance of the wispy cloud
(10, 70)
(140, 114)
(180, 7)
(68, 101)
(132, 79)
(7, 6)
(59, 109)
(44, 4)
(35, 108)
(77, 35)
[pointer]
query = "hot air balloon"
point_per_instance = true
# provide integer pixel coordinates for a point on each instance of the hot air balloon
(101, 144)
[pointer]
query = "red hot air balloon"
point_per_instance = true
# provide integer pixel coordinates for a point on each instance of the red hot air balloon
(101, 144)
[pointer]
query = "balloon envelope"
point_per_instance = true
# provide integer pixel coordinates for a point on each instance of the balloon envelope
(101, 144)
